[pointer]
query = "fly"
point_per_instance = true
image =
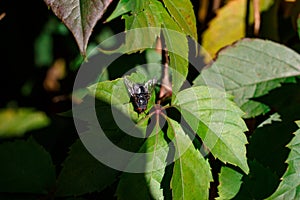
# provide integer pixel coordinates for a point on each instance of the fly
(139, 93)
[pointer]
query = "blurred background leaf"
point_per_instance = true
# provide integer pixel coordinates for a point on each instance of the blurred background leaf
(26, 168)
(15, 122)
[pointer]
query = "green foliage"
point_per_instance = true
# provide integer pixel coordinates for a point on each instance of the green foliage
(147, 185)
(89, 175)
(141, 23)
(43, 44)
(203, 108)
(289, 187)
(16, 122)
(191, 174)
(182, 13)
(250, 69)
(217, 121)
(258, 184)
(274, 117)
(224, 137)
(230, 183)
(25, 168)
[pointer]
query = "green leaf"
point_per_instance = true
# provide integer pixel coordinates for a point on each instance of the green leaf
(43, 44)
(16, 122)
(251, 68)
(217, 120)
(133, 186)
(111, 92)
(125, 6)
(273, 118)
(230, 183)
(79, 16)
(267, 144)
(183, 13)
(145, 22)
(144, 25)
(115, 93)
(25, 168)
(191, 174)
(109, 132)
(177, 46)
(82, 173)
(259, 183)
(146, 185)
(290, 185)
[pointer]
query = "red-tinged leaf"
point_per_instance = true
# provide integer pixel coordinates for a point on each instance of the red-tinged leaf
(79, 16)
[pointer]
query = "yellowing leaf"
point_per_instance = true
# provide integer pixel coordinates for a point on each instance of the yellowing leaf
(16, 122)
(227, 27)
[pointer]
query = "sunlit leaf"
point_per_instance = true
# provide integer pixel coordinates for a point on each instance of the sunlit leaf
(16, 122)
(79, 16)
(217, 120)
(191, 174)
(290, 185)
(230, 183)
(145, 20)
(251, 68)
(177, 46)
(233, 14)
(111, 92)
(115, 93)
(25, 168)
(183, 14)
(221, 32)
(274, 117)
(125, 6)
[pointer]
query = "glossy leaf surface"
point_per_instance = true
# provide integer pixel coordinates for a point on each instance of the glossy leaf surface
(251, 68)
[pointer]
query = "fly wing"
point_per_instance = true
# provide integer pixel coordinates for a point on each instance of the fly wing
(149, 85)
(130, 86)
